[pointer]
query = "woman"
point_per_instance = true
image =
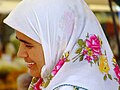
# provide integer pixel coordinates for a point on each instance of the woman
(64, 46)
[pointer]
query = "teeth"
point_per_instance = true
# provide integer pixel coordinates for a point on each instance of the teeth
(31, 63)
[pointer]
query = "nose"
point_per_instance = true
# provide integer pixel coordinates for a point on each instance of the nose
(22, 53)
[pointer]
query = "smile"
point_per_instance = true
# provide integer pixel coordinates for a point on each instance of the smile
(31, 64)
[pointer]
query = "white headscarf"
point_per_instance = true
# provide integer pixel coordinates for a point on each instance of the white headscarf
(57, 25)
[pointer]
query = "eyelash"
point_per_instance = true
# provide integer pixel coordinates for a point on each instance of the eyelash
(28, 46)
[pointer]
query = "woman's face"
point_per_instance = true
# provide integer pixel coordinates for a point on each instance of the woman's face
(32, 53)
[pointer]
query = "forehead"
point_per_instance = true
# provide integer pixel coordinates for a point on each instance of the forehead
(22, 37)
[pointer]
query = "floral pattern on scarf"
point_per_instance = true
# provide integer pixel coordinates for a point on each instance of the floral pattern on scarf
(91, 50)
(117, 71)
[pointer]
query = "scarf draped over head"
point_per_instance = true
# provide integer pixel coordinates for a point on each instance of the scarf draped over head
(62, 26)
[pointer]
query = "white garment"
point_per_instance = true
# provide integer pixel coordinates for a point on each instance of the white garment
(57, 25)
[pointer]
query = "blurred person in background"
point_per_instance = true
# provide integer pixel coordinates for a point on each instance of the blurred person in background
(23, 81)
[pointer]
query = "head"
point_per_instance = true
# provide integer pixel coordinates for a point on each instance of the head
(53, 26)
(32, 53)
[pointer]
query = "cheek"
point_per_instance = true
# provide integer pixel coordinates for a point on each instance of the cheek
(34, 55)
(37, 56)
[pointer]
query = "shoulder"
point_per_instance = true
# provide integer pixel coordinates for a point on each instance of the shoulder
(69, 87)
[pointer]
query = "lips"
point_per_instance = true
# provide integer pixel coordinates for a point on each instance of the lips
(30, 64)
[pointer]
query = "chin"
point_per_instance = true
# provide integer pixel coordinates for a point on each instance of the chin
(34, 73)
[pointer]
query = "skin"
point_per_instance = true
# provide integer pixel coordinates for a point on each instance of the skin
(32, 53)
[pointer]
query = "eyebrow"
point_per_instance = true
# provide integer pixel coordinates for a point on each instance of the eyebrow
(23, 40)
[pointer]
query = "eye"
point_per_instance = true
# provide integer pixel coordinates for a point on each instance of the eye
(28, 46)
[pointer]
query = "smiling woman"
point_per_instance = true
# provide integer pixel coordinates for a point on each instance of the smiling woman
(32, 53)
(64, 46)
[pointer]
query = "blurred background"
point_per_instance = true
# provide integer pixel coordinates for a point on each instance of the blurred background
(11, 66)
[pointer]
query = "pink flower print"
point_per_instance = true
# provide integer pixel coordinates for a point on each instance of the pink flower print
(58, 66)
(95, 57)
(94, 44)
(117, 72)
(38, 84)
(88, 58)
(84, 52)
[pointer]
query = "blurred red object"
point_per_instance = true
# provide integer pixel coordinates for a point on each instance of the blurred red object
(110, 28)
